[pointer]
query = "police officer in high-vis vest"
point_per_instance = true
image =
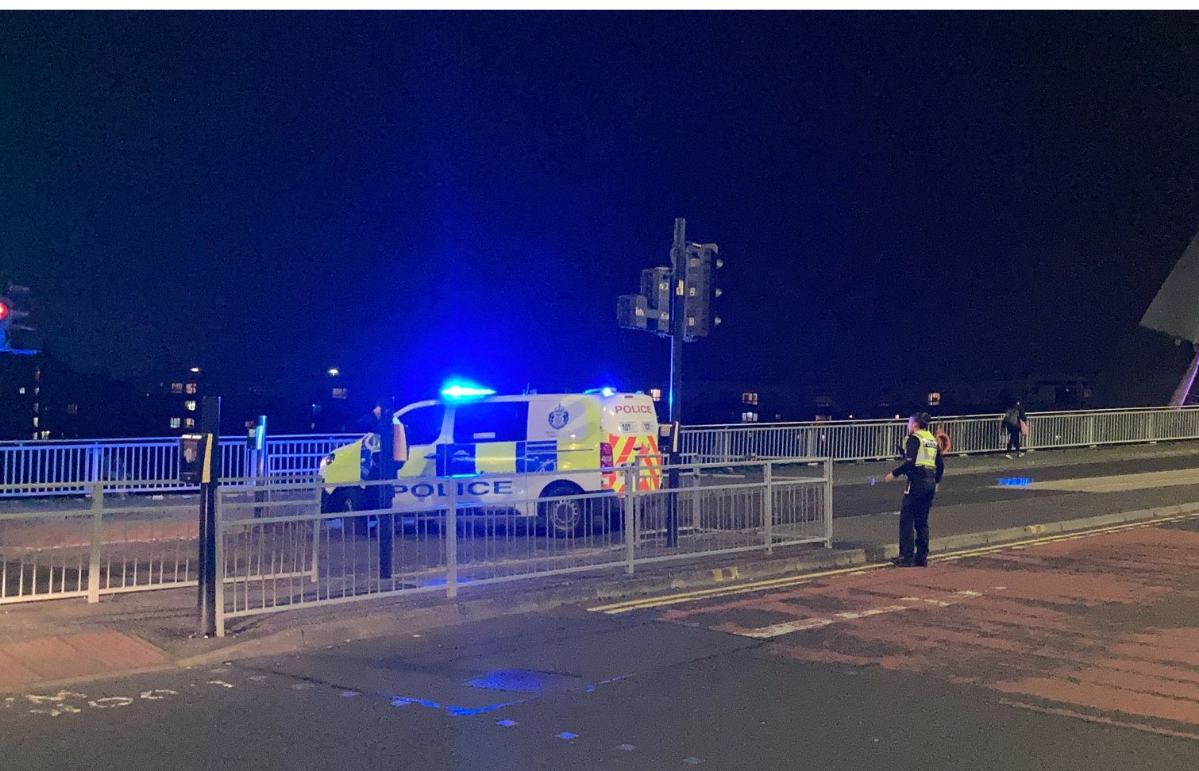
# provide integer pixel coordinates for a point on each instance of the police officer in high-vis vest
(923, 466)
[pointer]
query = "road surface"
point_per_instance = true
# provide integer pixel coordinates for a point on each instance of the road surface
(1076, 654)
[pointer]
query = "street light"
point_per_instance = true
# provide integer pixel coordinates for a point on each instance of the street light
(334, 372)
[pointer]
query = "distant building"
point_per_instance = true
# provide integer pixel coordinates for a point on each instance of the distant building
(175, 403)
(20, 397)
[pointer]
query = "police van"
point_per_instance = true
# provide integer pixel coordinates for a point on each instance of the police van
(524, 454)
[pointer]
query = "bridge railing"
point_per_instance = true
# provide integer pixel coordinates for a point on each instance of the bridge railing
(70, 467)
(882, 439)
(39, 468)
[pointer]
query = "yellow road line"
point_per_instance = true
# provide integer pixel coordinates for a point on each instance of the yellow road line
(619, 607)
(787, 581)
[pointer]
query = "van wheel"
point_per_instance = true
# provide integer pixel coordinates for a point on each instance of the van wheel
(560, 512)
(346, 501)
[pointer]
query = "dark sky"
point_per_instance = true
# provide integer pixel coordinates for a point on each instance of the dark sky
(409, 196)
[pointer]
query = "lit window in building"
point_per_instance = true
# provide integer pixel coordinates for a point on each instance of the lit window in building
(72, 409)
(655, 394)
(176, 388)
(749, 398)
(35, 421)
(341, 393)
(749, 417)
(190, 405)
(190, 388)
(934, 399)
(176, 422)
(189, 423)
(21, 390)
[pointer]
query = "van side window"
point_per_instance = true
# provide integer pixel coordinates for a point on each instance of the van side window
(491, 422)
(423, 425)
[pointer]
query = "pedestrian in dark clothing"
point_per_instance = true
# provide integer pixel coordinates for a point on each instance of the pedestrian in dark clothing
(1014, 420)
(923, 465)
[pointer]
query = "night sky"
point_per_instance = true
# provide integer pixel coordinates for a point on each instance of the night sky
(410, 196)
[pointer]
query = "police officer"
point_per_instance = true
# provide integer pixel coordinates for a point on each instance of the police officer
(923, 466)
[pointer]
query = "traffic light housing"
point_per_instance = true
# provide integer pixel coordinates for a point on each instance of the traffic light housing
(700, 290)
(631, 311)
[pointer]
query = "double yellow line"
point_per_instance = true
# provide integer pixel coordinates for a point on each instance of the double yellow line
(780, 583)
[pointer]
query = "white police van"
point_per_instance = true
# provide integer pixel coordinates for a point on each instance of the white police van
(524, 454)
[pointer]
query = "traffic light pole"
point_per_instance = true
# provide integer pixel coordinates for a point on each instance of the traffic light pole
(210, 426)
(678, 268)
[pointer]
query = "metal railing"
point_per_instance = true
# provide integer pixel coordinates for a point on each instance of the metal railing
(42, 468)
(102, 543)
(881, 439)
(277, 550)
(29, 468)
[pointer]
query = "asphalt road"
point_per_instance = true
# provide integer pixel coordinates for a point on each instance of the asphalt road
(1033, 479)
(1073, 655)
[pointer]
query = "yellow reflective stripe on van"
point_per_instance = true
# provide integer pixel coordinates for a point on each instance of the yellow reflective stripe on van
(495, 458)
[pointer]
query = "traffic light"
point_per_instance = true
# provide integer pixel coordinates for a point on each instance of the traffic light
(649, 310)
(655, 288)
(700, 289)
(631, 311)
(10, 316)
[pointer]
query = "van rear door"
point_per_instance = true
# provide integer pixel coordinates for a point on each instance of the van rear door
(631, 422)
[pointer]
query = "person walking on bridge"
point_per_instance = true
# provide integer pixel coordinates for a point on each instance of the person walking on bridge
(1015, 421)
(923, 465)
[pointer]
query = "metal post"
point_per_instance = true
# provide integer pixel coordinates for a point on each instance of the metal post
(210, 426)
(672, 498)
(315, 574)
(259, 467)
(385, 500)
(451, 541)
(96, 457)
(678, 325)
(828, 503)
(219, 562)
(630, 517)
(93, 562)
(768, 505)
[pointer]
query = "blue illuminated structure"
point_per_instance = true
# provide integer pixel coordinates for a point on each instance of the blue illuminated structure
(465, 391)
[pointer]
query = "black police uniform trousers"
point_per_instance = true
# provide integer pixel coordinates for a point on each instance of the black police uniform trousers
(913, 521)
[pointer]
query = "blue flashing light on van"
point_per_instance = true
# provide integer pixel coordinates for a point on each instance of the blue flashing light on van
(465, 391)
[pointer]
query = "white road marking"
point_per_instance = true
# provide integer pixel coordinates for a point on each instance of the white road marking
(221, 683)
(158, 694)
(57, 703)
(110, 702)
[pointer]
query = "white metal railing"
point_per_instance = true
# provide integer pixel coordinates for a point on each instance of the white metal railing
(881, 439)
(42, 468)
(29, 468)
(103, 543)
(278, 550)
